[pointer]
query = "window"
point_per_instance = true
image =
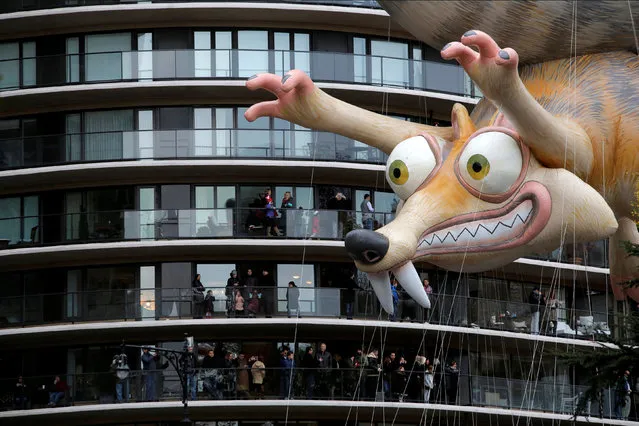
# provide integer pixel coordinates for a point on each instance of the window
(224, 133)
(9, 65)
(106, 134)
(214, 211)
(10, 143)
(304, 278)
(253, 139)
(214, 277)
(202, 61)
(73, 60)
(389, 63)
(253, 52)
(223, 46)
(203, 133)
(359, 59)
(385, 206)
(107, 57)
(19, 219)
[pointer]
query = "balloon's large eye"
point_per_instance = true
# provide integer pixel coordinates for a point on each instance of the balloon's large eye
(409, 165)
(491, 163)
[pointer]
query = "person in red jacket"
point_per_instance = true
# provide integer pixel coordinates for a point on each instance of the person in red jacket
(58, 391)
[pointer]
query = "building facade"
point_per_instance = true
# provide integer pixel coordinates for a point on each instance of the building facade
(127, 169)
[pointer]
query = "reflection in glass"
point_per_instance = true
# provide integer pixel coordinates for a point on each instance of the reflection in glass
(253, 52)
(214, 278)
(385, 69)
(223, 46)
(106, 58)
(9, 65)
(202, 44)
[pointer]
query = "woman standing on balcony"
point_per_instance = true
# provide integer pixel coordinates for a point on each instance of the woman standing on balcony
(287, 203)
(198, 297)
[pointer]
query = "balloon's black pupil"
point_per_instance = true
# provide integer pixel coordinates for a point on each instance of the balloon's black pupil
(397, 173)
(476, 167)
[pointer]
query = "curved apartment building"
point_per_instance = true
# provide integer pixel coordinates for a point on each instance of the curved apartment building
(127, 168)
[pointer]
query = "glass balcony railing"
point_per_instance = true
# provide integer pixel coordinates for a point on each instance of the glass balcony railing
(136, 304)
(7, 6)
(184, 144)
(126, 225)
(368, 382)
(234, 64)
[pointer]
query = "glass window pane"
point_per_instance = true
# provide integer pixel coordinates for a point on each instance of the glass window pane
(73, 60)
(105, 133)
(225, 197)
(105, 59)
(31, 220)
(282, 54)
(202, 43)
(213, 277)
(302, 56)
(385, 206)
(304, 197)
(145, 134)
(9, 66)
(302, 42)
(418, 76)
(28, 63)
(359, 51)
(203, 122)
(253, 52)
(204, 197)
(147, 292)
(386, 69)
(223, 46)
(252, 138)
(224, 133)
(145, 56)
(10, 219)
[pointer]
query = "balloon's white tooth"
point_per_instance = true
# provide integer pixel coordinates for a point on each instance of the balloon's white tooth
(411, 283)
(380, 281)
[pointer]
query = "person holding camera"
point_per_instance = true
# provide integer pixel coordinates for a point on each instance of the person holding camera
(120, 368)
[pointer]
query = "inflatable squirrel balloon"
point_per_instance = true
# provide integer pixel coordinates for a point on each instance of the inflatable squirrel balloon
(550, 154)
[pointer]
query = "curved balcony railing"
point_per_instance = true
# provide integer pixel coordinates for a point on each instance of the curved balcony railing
(233, 64)
(367, 381)
(7, 6)
(137, 304)
(200, 144)
(126, 225)
(232, 222)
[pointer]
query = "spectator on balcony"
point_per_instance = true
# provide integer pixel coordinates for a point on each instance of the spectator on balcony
(293, 299)
(239, 303)
(250, 282)
(213, 367)
(58, 391)
(287, 203)
(373, 370)
(120, 368)
(149, 369)
(452, 382)
(340, 203)
(395, 294)
(198, 297)
(190, 370)
(258, 371)
(253, 306)
(309, 365)
(268, 292)
(535, 300)
(272, 222)
(287, 366)
(553, 305)
(243, 381)
(429, 383)
(348, 293)
(325, 365)
(622, 396)
(231, 283)
(20, 397)
(367, 212)
(208, 304)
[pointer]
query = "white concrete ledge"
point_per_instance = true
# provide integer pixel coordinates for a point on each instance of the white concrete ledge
(405, 412)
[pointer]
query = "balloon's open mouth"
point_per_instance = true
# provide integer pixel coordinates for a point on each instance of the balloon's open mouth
(510, 226)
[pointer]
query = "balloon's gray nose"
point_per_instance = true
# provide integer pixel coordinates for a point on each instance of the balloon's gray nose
(367, 247)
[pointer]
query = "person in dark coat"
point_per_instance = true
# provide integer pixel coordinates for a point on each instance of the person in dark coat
(293, 299)
(287, 203)
(268, 291)
(198, 297)
(231, 284)
(452, 381)
(309, 365)
(343, 207)
(250, 281)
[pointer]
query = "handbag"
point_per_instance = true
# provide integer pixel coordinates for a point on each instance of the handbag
(198, 296)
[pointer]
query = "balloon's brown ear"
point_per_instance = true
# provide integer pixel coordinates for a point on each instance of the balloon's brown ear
(463, 126)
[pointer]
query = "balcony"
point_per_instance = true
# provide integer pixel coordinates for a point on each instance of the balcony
(140, 304)
(169, 65)
(528, 398)
(9, 6)
(199, 144)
